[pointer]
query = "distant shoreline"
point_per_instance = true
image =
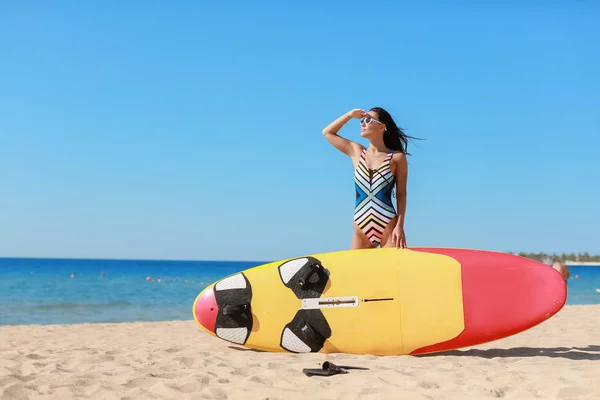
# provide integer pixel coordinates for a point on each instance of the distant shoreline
(582, 264)
(569, 263)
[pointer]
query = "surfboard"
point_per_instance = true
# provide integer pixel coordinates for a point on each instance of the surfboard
(382, 301)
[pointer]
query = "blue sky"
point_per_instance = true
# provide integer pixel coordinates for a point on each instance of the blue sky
(193, 131)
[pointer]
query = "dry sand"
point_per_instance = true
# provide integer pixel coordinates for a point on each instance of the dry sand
(559, 359)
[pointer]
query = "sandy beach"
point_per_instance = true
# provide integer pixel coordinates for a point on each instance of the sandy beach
(559, 359)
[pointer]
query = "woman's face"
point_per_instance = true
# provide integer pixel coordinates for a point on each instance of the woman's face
(370, 125)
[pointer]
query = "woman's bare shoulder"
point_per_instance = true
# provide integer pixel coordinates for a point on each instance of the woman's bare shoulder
(398, 157)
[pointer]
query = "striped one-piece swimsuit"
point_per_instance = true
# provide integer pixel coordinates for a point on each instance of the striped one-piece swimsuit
(373, 210)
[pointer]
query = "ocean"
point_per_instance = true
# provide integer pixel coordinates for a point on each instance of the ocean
(41, 291)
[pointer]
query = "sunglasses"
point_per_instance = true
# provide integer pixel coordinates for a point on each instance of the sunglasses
(368, 120)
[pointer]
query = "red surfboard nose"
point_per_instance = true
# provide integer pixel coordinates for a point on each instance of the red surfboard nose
(206, 309)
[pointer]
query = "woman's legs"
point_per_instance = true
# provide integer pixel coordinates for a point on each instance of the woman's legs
(386, 239)
(359, 240)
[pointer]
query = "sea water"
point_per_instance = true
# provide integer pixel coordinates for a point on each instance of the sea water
(42, 291)
(583, 287)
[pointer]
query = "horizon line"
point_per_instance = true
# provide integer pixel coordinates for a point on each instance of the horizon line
(96, 258)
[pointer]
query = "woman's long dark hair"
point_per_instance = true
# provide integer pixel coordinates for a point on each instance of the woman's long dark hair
(394, 137)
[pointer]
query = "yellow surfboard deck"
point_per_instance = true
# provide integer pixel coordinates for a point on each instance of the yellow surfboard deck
(385, 301)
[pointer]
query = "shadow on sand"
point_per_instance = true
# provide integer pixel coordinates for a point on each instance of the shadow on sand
(591, 352)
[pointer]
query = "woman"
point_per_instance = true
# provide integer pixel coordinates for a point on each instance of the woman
(377, 169)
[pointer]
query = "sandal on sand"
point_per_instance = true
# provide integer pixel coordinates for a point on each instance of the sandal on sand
(329, 369)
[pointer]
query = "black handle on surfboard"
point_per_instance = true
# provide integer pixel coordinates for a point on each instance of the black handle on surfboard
(305, 279)
(233, 309)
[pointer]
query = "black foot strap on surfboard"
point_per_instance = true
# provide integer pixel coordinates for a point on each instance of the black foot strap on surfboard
(306, 333)
(233, 296)
(305, 276)
(328, 369)
(308, 330)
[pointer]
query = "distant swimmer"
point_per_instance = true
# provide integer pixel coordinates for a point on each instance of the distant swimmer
(72, 275)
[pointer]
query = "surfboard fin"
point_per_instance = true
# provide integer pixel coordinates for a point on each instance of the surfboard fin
(320, 371)
(329, 368)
